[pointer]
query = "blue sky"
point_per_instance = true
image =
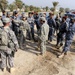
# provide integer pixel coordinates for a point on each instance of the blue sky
(62, 3)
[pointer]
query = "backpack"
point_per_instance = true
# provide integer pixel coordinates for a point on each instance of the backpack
(3, 37)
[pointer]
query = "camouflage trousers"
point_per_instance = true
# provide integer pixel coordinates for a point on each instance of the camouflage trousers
(22, 40)
(7, 60)
(42, 46)
(51, 34)
(60, 39)
(67, 45)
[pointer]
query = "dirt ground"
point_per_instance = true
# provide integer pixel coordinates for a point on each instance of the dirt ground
(28, 63)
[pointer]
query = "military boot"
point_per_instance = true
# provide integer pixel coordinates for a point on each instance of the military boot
(3, 69)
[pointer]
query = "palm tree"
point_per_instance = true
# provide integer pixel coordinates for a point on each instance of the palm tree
(61, 9)
(31, 7)
(67, 9)
(55, 5)
(18, 4)
(47, 8)
(3, 4)
(52, 9)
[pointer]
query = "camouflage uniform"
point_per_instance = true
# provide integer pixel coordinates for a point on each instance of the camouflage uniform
(24, 27)
(31, 23)
(43, 37)
(15, 25)
(60, 36)
(52, 25)
(1, 24)
(12, 46)
(69, 37)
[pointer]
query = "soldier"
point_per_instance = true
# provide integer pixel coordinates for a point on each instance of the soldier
(67, 19)
(62, 30)
(8, 15)
(15, 24)
(69, 38)
(3, 14)
(31, 23)
(52, 26)
(24, 28)
(1, 24)
(43, 36)
(9, 47)
(57, 20)
(22, 15)
(36, 17)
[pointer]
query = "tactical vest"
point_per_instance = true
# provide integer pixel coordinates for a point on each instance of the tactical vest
(3, 39)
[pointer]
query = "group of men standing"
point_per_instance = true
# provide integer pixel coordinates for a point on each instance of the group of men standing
(16, 28)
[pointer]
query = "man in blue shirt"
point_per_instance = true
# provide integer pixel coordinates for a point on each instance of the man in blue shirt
(69, 38)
